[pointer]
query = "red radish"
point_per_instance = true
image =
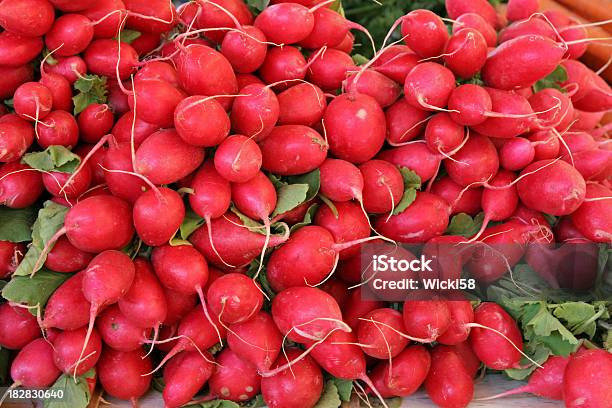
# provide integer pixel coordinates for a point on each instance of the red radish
(350, 114)
(71, 5)
(476, 162)
(111, 25)
(383, 186)
(145, 302)
(181, 268)
(118, 165)
(379, 333)
(117, 99)
(59, 128)
(178, 305)
(475, 21)
(12, 77)
(513, 115)
(546, 382)
(159, 70)
(71, 68)
(448, 382)
(590, 218)
(123, 129)
(190, 112)
(495, 350)
(16, 137)
(578, 34)
(32, 101)
(318, 315)
(350, 225)
(369, 82)
(521, 9)
(67, 346)
(70, 35)
(165, 95)
(164, 13)
(329, 29)
(347, 44)
(256, 340)
(404, 122)
(300, 386)
(65, 308)
(461, 314)
(179, 158)
(124, 374)
(469, 104)
(456, 8)
(533, 26)
(33, 366)
(212, 16)
(552, 187)
(184, 375)
(424, 219)
(428, 86)
(245, 49)
(234, 298)
(302, 104)
(425, 33)
(11, 254)
(468, 203)
(95, 121)
(499, 199)
(545, 143)
(120, 333)
(20, 186)
(329, 69)
(247, 79)
(255, 114)
(293, 149)
(17, 50)
(356, 306)
(31, 18)
(521, 62)
(219, 80)
(466, 52)
(586, 377)
(285, 23)
(61, 90)
(340, 180)
(234, 379)
(416, 157)
(64, 257)
(238, 159)
(396, 62)
(556, 107)
(234, 244)
(104, 56)
(408, 371)
(516, 154)
(18, 327)
(283, 65)
(442, 134)
(426, 318)
(465, 352)
(157, 215)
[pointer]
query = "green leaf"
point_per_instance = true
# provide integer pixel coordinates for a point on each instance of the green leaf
(289, 197)
(251, 224)
(33, 291)
(257, 402)
(344, 387)
(92, 89)
(330, 204)
(219, 403)
(581, 317)
(191, 222)
(258, 5)
(5, 357)
(411, 179)
(49, 59)
(553, 80)
(407, 199)
(540, 356)
(330, 397)
(16, 224)
(412, 182)
(128, 36)
(76, 394)
(158, 384)
(337, 6)
(308, 217)
(464, 225)
(50, 220)
(9, 102)
(53, 158)
(313, 179)
(359, 59)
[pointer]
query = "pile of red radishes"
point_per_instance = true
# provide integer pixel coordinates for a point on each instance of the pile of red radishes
(263, 133)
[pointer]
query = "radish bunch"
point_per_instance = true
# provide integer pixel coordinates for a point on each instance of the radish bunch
(217, 172)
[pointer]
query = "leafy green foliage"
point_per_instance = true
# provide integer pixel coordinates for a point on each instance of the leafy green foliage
(257, 6)
(558, 76)
(76, 394)
(53, 158)
(33, 291)
(128, 36)
(412, 182)
(50, 220)
(191, 222)
(16, 224)
(308, 218)
(91, 89)
(295, 190)
(330, 398)
(464, 225)
(218, 403)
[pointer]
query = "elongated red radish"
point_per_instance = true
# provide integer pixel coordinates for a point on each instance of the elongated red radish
(234, 298)
(124, 375)
(107, 24)
(67, 346)
(14, 177)
(238, 159)
(292, 149)
(122, 130)
(31, 18)
(383, 186)
(378, 333)
(165, 95)
(70, 35)
(350, 114)
(475, 21)
(64, 309)
(255, 114)
(18, 327)
(468, 202)
(329, 29)
(64, 257)
(191, 111)
(119, 173)
(589, 218)
(245, 49)
(111, 58)
(283, 65)
(158, 215)
(213, 16)
(512, 115)
(461, 313)
(17, 50)
(396, 62)
(586, 377)
(184, 375)
(180, 268)
(350, 225)
(32, 101)
(521, 9)
(456, 8)
(302, 104)
(285, 23)
(356, 306)
(256, 340)
(340, 180)
(427, 318)
(370, 82)
(234, 379)
(425, 33)
(466, 52)
(11, 254)
(13, 77)
(442, 134)
(34, 366)
(448, 382)
(516, 154)
(476, 162)
(160, 16)
(408, 371)
(16, 136)
(428, 86)
(60, 128)
(532, 26)
(329, 69)
(178, 305)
